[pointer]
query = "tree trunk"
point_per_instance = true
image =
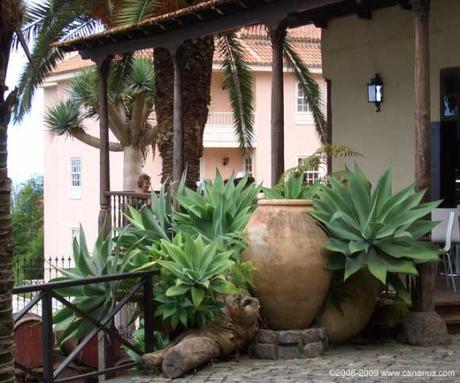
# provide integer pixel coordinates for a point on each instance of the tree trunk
(10, 19)
(196, 65)
(132, 167)
(217, 340)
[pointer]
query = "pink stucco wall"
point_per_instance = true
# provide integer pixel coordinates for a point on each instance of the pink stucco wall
(62, 212)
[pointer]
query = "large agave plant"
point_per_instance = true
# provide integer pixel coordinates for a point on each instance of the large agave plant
(369, 227)
(218, 211)
(194, 275)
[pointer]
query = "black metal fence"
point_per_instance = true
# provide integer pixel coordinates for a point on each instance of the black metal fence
(47, 292)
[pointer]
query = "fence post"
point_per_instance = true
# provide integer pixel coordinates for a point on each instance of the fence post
(148, 314)
(47, 316)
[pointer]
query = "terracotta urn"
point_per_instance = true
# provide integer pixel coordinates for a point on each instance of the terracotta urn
(362, 290)
(290, 277)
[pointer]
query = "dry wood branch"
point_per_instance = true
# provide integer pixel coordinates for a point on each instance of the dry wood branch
(217, 340)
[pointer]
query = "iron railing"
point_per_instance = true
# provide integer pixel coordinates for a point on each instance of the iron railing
(48, 291)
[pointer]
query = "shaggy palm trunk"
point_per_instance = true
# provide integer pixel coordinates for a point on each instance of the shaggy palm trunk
(132, 166)
(196, 63)
(10, 17)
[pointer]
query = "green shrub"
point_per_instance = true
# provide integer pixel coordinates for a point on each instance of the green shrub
(94, 299)
(194, 275)
(294, 187)
(370, 227)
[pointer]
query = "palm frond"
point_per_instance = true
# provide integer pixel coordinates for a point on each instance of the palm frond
(133, 11)
(238, 82)
(310, 88)
(44, 58)
(63, 118)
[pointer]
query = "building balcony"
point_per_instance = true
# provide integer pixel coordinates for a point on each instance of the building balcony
(219, 131)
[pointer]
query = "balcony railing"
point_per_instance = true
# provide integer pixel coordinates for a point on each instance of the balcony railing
(119, 202)
(219, 131)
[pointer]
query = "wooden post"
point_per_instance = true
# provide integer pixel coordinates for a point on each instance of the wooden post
(277, 35)
(178, 118)
(424, 295)
(104, 222)
(329, 123)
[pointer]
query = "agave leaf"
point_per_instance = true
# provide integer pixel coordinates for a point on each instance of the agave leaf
(395, 281)
(376, 266)
(353, 264)
(176, 290)
(416, 250)
(197, 296)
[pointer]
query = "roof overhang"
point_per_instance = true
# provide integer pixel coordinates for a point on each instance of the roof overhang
(217, 16)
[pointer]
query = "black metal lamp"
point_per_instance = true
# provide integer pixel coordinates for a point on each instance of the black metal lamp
(375, 91)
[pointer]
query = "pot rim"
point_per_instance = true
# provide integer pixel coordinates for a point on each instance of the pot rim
(284, 202)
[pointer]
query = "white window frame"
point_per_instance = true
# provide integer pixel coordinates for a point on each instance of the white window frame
(301, 117)
(251, 165)
(75, 190)
(311, 176)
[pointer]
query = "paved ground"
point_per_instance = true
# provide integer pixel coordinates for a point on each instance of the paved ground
(351, 363)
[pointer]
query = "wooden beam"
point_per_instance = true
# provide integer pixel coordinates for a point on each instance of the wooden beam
(178, 117)
(262, 14)
(104, 222)
(426, 283)
(277, 36)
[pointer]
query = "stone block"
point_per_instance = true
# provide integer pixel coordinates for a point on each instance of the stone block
(291, 337)
(267, 336)
(313, 335)
(264, 351)
(288, 352)
(313, 350)
(425, 329)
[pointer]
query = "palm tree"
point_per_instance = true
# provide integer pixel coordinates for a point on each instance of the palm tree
(130, 106)
(10, 22)
(57, 19)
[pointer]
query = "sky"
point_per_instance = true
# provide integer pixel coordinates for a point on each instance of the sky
(25, 140)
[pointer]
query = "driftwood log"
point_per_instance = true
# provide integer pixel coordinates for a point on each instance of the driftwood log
(193, 348)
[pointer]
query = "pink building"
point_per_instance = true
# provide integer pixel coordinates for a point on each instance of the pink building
(71, 167)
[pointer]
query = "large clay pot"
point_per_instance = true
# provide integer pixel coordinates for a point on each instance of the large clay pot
(290, 277)
(362, 290)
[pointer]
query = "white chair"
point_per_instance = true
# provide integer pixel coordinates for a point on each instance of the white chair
(446, 258)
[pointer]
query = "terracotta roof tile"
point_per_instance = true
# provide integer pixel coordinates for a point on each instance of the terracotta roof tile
(306, 41)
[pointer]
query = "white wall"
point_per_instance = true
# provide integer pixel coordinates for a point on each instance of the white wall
(353, 51)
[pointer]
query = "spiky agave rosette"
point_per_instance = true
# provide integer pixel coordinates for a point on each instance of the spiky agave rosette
(369, 227)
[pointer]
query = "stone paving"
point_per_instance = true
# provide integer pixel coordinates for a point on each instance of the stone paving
(349, 363)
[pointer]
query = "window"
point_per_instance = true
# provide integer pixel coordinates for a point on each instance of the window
(302, 105)
(313, 175)
(248, 165)
(75, 177)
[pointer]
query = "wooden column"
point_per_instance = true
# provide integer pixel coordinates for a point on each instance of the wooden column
(277, 36)
(424, 295)
(178, 117)
(104, 222)
(329, 122)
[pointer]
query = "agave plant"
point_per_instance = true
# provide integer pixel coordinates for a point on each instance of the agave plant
(94, 299)
(294, 187)
(218, 211)
(371, 228)
(195, 274)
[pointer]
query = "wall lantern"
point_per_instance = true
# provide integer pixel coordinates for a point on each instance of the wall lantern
(375, 91)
